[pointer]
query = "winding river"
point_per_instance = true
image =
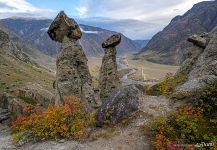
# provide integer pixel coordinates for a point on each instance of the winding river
(125, 79)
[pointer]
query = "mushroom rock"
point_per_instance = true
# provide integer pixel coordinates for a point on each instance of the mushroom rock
(73, 77)
(108, 78)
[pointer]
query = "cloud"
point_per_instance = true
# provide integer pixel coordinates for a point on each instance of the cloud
(155, 11)
(82, 11)
(4, 6)
(88, 32)
(133, 29)
(22, 8)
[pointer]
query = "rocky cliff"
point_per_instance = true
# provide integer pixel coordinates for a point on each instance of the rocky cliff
(201, 64)
(170, 46)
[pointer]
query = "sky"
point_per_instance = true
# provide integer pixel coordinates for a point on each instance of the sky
(148, 11)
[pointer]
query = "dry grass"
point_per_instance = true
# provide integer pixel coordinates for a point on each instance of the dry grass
(94, 64)
(15, 73)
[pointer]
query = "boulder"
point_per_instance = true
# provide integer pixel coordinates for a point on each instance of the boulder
(11, 106)
(119, 105)
(109, 77)
(4, 115)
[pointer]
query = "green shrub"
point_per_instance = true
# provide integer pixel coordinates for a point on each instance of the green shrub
(208, 98)
(167, 86)
(28, 100)
(187, 125)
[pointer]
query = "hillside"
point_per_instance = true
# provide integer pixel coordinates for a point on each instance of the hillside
(34, 32)
(170, 46)
(21, 65)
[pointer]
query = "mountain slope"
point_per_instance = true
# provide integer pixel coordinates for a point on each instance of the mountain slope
(140, 44)
(18, 64)
(169, 46)
(34, 32)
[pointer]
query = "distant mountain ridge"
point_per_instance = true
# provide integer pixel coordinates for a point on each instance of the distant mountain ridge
(170, 46)
(34, 32)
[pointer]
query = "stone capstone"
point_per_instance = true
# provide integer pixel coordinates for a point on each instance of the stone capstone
(109, 77)
(63, 26)
(198, 40)
(119, 105)
(113, 41)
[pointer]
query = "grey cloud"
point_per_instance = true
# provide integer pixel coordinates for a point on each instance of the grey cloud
(146, 10)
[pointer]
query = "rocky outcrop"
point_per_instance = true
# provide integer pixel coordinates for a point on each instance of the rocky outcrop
(109, 78)
(170, 46)
(72, 77)
(4, 115)
(119, 105)
(11, 106)
(197, 40)
(201, 66)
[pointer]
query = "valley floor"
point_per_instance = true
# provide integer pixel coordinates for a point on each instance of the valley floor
(145, 70)
(128, 135)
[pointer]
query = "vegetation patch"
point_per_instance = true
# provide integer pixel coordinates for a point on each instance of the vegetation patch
(108, 133)
(166, 87)
(67, 121)
(188, 125)
(180, 95)
(208, 98)
(28, 100)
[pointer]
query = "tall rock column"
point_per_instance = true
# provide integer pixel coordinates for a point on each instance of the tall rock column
(108, 78)
(73, 77)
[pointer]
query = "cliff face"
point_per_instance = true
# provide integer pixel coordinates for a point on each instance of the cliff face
(170, 46)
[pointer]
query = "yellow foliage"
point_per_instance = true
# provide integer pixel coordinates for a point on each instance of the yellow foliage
(168, 85)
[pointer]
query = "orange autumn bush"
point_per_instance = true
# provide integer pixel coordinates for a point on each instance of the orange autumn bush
(67, 121)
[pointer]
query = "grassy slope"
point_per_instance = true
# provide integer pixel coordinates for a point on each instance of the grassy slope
(15, 73)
